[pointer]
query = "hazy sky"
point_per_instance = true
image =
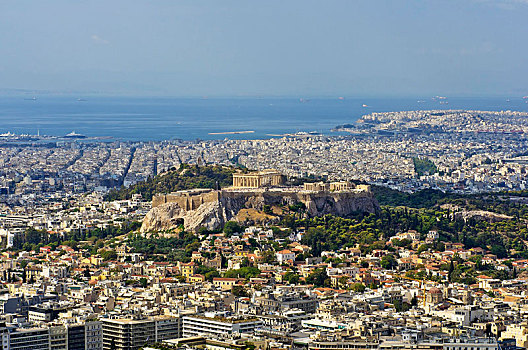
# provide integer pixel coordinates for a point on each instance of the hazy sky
(266, 47)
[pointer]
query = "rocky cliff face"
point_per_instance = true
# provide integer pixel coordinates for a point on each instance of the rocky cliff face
(480, 215)
(171, 216)
(214, 211)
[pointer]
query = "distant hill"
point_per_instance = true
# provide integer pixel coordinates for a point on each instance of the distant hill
(184, 178)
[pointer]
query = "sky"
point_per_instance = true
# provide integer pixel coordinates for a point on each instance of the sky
(266, 48)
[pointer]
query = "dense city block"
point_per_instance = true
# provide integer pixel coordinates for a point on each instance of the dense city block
(408, 232)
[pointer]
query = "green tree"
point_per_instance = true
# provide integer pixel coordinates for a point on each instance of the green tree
(267, 209)
(245, 262)
(358, 287)
(243, 272)
(422, 248)
(499, 251)
(211, 274)
(401, 242)
(239, 291)
(318, 278)
(388, 261)
(108, 255)
(232, 227)
(451, 271)
(269, 257)
(291, 277)
(401, 306)
(342, 282)
(440, 246)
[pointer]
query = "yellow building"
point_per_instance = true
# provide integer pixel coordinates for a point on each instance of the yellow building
(519, 332)
(93, 260)
(196, 279)
(197, 256)
(33, 273)
(100, 277)
(225, 283)
(188, 269)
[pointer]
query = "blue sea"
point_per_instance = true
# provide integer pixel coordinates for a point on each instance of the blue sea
(155, 119)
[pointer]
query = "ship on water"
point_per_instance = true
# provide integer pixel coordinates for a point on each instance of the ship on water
(74, 135)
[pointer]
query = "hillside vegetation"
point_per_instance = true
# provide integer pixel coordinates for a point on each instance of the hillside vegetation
(420, 199)
(184, 178)
(421, 211)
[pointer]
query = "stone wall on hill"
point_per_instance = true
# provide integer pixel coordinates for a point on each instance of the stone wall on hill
(211, 209)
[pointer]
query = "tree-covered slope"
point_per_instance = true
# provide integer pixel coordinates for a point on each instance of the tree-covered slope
(186, 177)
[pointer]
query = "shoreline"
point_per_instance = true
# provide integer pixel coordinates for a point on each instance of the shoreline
(232, 132)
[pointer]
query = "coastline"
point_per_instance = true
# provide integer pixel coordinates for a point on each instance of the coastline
(232, 132)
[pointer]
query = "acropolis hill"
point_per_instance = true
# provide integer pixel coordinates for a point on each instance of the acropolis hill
(213, 208)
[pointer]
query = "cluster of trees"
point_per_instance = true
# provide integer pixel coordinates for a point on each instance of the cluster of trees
(232, 227)
(402, 306)
(318, 278)
(166, 248)
(466, 273)
(33, 239)
(243, 272)
(208, 272)
(184, 178)
(421, 199)
(424, 166)
(503, 238)
(107, 255)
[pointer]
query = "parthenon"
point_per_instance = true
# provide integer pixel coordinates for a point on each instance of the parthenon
(257, 179)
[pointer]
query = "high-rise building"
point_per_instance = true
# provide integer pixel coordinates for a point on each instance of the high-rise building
(29, 339)
(218, 326)
(93, 335)
(76, 335)
(132, 334)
